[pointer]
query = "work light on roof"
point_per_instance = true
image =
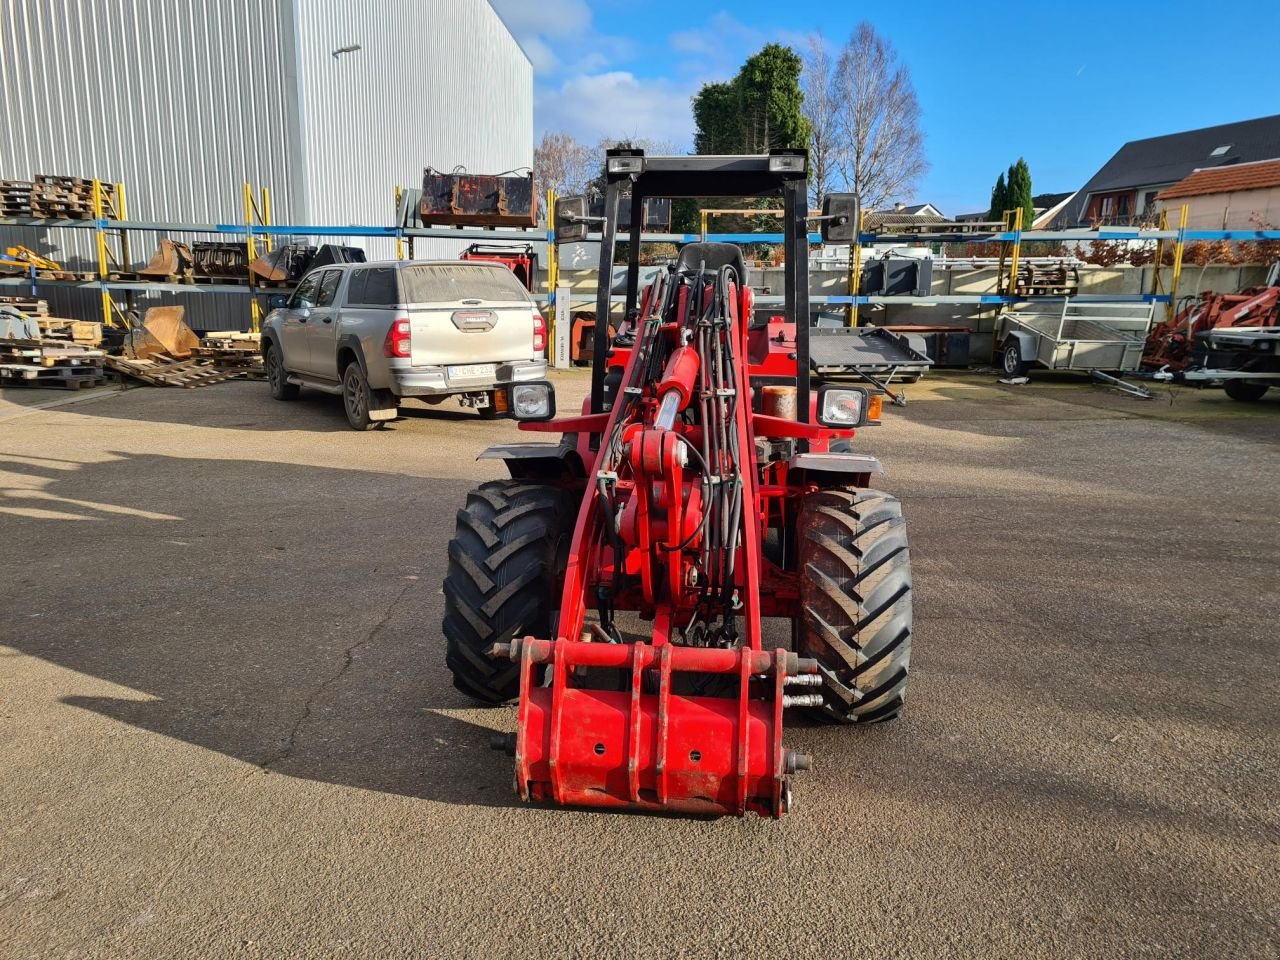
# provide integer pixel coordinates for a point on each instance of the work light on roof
(625, 164)
(786, 163)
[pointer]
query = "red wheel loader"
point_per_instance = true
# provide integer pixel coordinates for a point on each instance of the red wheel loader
(616, 584)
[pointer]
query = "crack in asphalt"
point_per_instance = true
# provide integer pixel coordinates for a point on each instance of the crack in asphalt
(348, 657)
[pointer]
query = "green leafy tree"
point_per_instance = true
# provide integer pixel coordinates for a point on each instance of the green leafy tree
(1013, 190)
(717, 119)
(1019, 186)
(759, 110)
(999, 199)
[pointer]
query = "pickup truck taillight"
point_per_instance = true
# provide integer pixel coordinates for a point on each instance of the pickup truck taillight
(539, 333)
(397, 342)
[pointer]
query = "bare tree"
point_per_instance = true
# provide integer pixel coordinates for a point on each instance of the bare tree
(564, 165)
(821, 107)
(878, 120)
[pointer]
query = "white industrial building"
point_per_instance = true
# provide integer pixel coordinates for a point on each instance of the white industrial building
(330, 104)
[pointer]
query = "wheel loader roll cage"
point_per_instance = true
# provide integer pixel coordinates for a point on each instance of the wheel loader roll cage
(631, 177)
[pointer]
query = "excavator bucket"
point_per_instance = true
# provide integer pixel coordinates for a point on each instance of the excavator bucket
(171, 259)
(166, 327)
(287, 262)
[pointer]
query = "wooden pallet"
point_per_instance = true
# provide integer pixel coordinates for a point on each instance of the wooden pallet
(164, 372)
(31, 306)
(64, 378)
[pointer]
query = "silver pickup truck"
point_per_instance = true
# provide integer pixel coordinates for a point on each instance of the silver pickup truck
(377, 332)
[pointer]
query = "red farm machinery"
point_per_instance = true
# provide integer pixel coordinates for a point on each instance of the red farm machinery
(617, 583)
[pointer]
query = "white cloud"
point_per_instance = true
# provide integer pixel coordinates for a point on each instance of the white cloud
(557, 34)
(618, 104)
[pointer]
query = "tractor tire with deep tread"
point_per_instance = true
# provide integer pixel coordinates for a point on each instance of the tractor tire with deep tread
(1245, 391)
(506, 561)
(855, 596)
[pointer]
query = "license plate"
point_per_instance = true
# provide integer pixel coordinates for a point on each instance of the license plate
(472, 371)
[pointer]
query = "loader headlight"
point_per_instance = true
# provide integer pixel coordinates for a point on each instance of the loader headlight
(842, 407)
(533, 401)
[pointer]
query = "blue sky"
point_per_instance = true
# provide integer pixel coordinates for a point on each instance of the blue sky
(1078, 81)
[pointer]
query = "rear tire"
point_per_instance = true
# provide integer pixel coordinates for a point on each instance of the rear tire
(506, 560)
(277, 376)
(356, 397)
(855, 597)
(1246, 391)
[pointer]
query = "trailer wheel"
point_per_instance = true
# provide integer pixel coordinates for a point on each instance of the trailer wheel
(855, 597)
(1011, 360)
(506, 559)
(1246, 391)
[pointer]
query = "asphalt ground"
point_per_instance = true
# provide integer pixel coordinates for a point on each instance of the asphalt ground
(226, 728)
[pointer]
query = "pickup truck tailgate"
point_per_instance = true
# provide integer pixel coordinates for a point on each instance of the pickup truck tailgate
(467, 314)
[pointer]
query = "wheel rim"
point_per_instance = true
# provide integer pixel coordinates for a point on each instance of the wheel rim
(275, 369)
(355, 394)
(1011, 360)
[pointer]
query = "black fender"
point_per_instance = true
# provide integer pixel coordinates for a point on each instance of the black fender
(349, 341)
(835, 468)
(558, 462)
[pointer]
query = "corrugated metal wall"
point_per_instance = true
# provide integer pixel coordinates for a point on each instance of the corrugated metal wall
(154, 95)
(436, 84)
(183, 101)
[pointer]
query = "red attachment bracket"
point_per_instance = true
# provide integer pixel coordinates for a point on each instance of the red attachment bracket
(647, 747)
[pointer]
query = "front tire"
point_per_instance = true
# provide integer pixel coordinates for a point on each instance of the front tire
(855, 597)
(1246, 391)
(278, 377)
(506, 560)
(356, 397)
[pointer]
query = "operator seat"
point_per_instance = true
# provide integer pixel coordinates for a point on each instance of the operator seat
(715, 256)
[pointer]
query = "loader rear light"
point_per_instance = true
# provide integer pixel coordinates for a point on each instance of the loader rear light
(539, 333)
(843, 407)
(399, 339)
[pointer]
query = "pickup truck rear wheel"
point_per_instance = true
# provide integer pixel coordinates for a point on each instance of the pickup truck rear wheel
(506, 561)
(356, 397)
(278, 377)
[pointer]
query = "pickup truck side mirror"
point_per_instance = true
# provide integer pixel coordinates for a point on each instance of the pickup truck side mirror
(571, 225)
(840, 218)
(277, 302)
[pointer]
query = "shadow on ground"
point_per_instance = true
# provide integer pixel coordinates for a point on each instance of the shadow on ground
(283, 615)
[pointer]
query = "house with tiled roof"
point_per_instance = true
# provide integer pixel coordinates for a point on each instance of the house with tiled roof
(1238, 197)
(1124, 191)
(903, 213)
